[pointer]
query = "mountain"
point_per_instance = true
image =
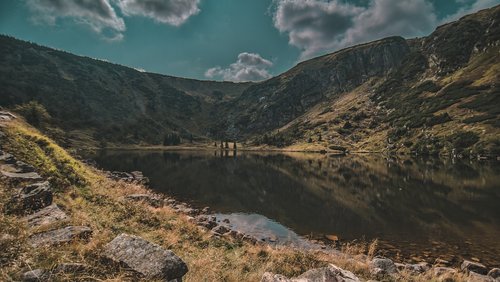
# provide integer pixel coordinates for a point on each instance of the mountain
(430, 95)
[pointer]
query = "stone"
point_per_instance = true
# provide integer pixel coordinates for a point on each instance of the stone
(476, 277)
(70, 268)
(146, 258)
(441, 262)
(330, 273)
(60, 236)
(29, 176)
(31, 198)
(271, 277)
(36, 275)
(152, 200)
(119, 175)
(221, 229)
(495, 273)
(45, 216)
(7, 158)
(139, 177)
(417, 268)
(442, 270)
(385, 264)
(23, 167)
(471, 266)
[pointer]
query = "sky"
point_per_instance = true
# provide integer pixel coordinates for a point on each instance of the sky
(234, 40)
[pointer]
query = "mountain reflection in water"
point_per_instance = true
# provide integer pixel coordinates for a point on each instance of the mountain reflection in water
(417, 208)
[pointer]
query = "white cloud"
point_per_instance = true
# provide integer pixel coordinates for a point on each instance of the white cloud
(99, 15)
(248, 67)
(317, 26)
(470, 8)
(173, 12)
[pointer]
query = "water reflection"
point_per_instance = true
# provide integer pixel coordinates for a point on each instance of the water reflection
(417, 207)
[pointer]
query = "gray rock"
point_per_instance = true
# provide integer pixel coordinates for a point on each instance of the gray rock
(495, 273)
(23, 167)
(442, 270)
(28, 176)
(470, 266)
(31, 198)
(441, 262)
(417, 268)
(385, 264)
(271, 277)
(221, 229)
(476, 277)
(152, 200)
(146, 258)
(139, 177)
(330, 273)
(45, 216)
(70, 268)
(36, 275)
(60, 236)
(7, 158)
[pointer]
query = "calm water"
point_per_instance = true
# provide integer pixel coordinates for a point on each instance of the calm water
(419, 209)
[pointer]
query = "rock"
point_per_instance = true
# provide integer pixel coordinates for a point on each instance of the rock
(271, 277)
(495, 273)
(470, 266)
(45, 216)
(119, 175)
(441, 262)
(31, 198)
(385, 264)
(60, 236)
(146, 258)
(441, 270)
(70, 268)
(330, 273)
(417, 268)
(36, 275)
(29, 176)
(139, 177)
(325, 274)
(23, 167)
(476, 277)
(205, 210)
(221, 229)
(152, 200)
(7, 158)
(226, 221)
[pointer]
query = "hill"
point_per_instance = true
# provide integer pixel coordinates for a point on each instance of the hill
(430, 95)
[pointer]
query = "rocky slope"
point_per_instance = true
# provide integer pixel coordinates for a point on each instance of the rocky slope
(437, 94)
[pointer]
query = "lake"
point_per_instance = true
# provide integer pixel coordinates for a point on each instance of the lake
(418, 209)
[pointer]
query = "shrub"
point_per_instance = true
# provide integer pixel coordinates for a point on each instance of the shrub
(463, 139)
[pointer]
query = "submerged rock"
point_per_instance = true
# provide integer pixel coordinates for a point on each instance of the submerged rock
(60, 236)
(146, 258)
(470, 266)
(45, 216)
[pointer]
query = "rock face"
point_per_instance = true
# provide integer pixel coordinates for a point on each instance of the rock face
(45, 216)
(146, 258)
(331, 273)
(31, 198)
(60, 236)
(470, 266)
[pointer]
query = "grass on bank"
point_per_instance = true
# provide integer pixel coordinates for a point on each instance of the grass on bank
(90, 199)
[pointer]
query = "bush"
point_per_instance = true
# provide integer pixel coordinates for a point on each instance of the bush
(34, 113)
(463, 139)
(439, 119)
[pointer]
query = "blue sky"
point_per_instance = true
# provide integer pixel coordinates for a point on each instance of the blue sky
(236, 40)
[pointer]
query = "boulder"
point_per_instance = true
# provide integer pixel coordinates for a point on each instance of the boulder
(417, 268)
(152, 200)
(470, 266)
(45, 216)
(146, 258)
(495, 273)
(31, 198)
(36, 275)
(385, 264)
(60, 236)
(330, 273)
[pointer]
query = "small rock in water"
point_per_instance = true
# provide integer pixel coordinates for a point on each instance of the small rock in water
(385, 264)
(36, 275)
(60, 236)
(226, 221)
(146, 258)
(470, 266)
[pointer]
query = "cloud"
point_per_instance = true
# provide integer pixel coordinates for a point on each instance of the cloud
(470, 8)
(248, 67)
(173, 12)
(99, 15)
(317, 26)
